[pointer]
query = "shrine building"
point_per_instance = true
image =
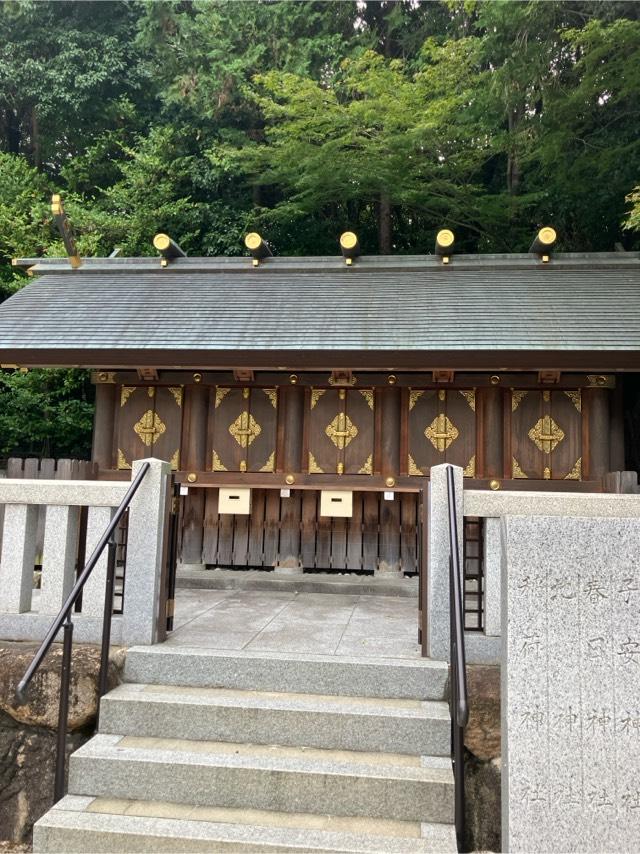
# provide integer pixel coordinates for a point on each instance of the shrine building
(300, 400)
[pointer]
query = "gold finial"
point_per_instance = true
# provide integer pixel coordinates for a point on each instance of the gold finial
(350, 246)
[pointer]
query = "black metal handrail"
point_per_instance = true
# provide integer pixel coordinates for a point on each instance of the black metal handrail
(64, 621)
(459, 701)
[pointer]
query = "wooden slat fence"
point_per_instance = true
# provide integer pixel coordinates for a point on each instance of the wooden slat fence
(279, 529)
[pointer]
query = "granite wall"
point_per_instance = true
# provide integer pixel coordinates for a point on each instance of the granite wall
(571, 684)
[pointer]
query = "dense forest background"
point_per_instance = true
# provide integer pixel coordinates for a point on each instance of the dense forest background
(301, 119)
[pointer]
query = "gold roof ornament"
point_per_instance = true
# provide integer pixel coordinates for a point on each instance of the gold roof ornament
(543, 243)
(258, 247)
(445, 239)
(66, 232)
(168, 248)
(350, 246)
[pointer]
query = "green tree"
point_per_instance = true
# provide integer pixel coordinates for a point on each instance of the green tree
(62, 67)
(378, 143)
(45, 413)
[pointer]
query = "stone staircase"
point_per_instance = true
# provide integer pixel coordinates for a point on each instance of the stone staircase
(207, 750)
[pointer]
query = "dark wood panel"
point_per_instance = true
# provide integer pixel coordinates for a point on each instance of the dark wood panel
(354, 534)
(389, 542)
(339, 543)
(526, 411)
(231, 429)
(566, 413)
(408, 537)
(546, 434)
(308, 529)
(290, 511)
(357, 410)
(442, 429)
(256, 528)
(263, 409)
(370, 530)
(323, 415)
(323, 541)
(210, 534)
(135, 424)
(167, 438)
(241, 540)
(225, 539)
(271, 527)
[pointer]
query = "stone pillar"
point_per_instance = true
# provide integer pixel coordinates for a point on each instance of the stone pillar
(145, 589)
(59, 558)
(438, 558)
(492, 576)
(18, 557)
(94, 589)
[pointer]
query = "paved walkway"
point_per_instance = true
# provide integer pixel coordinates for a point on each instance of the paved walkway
(313, 623)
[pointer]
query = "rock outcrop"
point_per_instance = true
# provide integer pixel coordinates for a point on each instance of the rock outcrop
(28, 732)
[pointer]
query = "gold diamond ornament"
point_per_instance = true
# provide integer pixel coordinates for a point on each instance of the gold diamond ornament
(546, 435)
(149, 428)
(245, 429)
(341, 431)
(441, 432)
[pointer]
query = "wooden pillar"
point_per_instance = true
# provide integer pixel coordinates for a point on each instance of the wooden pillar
(389, 546)
(490, 404)
(103, 425)
(598, 461)
(193, 458)
(291, 428)
(289, 552)
(616, 426)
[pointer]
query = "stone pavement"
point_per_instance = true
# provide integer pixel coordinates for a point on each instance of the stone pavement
(313, 623)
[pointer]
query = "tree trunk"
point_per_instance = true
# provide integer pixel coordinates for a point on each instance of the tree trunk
(384, 225)
(513, 162)
(35, 138)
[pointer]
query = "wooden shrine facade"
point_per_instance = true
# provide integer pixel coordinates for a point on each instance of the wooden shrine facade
(350, 372)
(371, 433)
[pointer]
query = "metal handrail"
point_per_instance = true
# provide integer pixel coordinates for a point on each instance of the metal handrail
(64, 621)
(459, 700)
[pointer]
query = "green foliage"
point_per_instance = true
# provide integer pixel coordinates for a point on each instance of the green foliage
(46, 413)
(632, 222)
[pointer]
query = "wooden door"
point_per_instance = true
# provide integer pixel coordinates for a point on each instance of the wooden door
(340, 431)
(243, 429)
(546, 434)
(442, 429)
(149, 423)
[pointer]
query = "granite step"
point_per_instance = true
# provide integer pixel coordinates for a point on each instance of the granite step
(416, 727)
(412, 679)
(265, 777)
(81, 824)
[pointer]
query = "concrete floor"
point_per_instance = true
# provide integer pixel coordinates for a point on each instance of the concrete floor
(313, 623)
